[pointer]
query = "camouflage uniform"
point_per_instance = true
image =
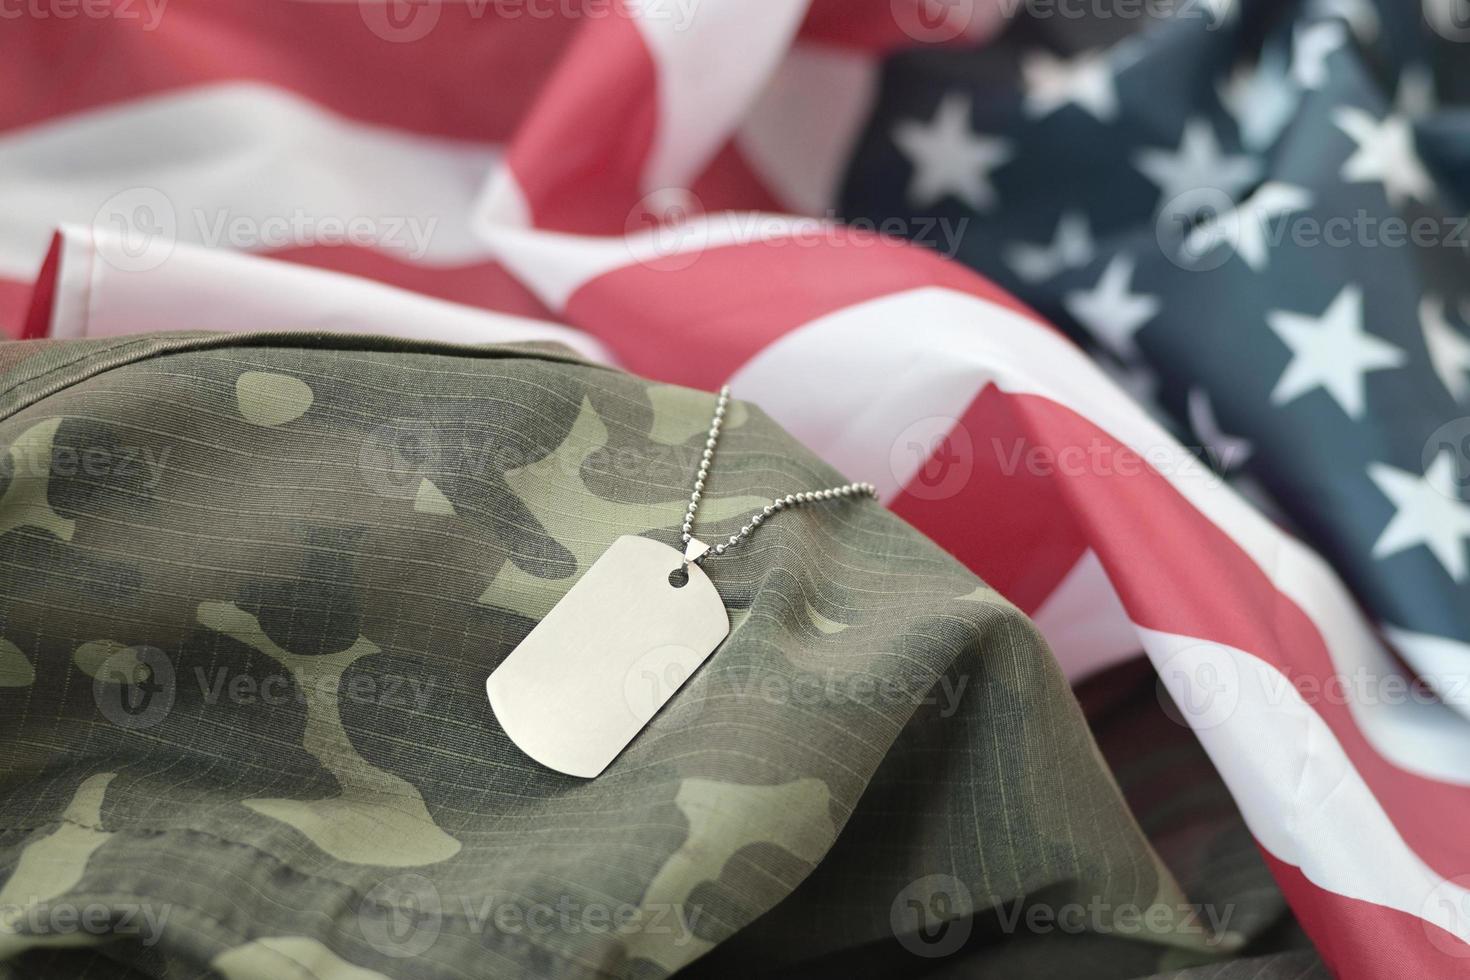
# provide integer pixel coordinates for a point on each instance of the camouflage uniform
(250, 590)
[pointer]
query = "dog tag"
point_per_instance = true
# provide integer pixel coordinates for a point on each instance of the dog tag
(616, 647)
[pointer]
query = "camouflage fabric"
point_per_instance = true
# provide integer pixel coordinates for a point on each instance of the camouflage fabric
(250, 590)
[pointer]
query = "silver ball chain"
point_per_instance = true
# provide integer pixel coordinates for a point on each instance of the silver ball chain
(844, 492)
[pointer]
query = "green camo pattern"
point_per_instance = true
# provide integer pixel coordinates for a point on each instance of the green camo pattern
(250, 590)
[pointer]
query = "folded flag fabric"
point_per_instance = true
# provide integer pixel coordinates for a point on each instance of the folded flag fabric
(659, 183)
(1267, 233)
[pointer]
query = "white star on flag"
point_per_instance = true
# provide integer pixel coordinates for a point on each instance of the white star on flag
(1245, 227)
(1221, 12)
(1085, 81)
(1110, 310)
(1331, 351)
(1310, 48)
(1360, 16)
(1071, 248)
(1427, 510)
(1261, 98)
(949, 157)
(1415, 97)
(1385, 154)
(1449, 350)
(1198, 162)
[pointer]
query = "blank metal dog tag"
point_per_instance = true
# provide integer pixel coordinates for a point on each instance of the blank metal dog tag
(616, 647)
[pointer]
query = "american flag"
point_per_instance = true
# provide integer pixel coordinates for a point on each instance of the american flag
(711, 190)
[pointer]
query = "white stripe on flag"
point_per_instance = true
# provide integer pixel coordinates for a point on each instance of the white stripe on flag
(243, 166)
(712, 64)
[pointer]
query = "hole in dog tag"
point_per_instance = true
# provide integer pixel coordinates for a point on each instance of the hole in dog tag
(616, 647)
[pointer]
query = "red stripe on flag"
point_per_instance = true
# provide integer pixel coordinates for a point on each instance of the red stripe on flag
(895, 24)
(732, 301)
(1362, 941)
(728, 183)
(37, 320)
(1004, 514)
(1175, 572)
(449, 69)
(15, 297)
(579, 156)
